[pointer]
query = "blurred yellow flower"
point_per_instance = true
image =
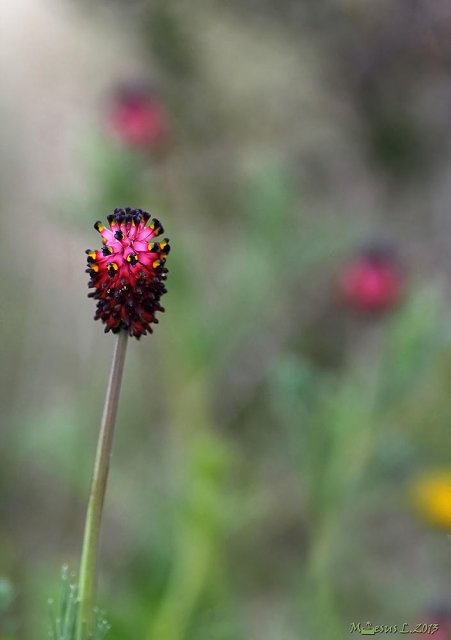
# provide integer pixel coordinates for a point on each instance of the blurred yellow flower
(431, 495)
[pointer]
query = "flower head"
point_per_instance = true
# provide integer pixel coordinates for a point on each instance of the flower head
(431, 497)
(137, 117)
(437, 621)
(128, 273)
(373, 281)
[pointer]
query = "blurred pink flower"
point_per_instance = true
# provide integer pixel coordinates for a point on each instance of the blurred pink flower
(439, 623)
(373, 281)
(137, 118)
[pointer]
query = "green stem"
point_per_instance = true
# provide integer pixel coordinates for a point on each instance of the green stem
(88, 567)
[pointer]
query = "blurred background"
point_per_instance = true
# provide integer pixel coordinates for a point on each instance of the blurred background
(282, 460)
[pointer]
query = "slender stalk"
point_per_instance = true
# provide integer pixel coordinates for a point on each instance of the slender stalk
(88, 567)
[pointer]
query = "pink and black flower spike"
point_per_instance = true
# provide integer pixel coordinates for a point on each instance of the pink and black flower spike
(128, 274)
